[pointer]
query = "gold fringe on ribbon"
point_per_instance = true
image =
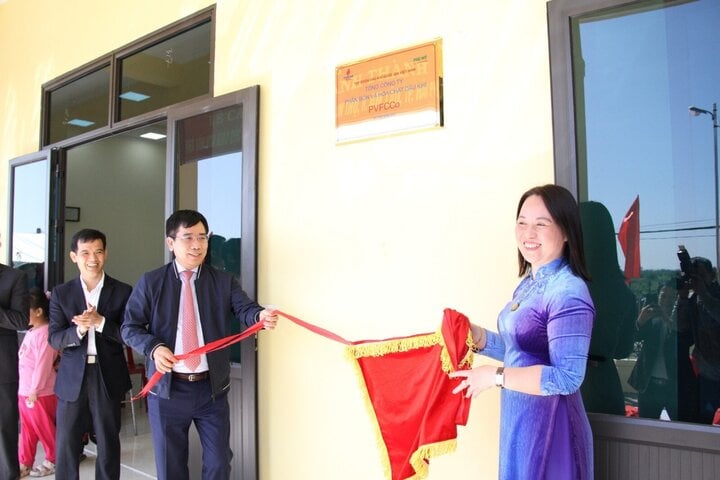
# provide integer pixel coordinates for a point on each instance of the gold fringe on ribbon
(384, 455)
(469, 356)
(420, 457)
(385, 347)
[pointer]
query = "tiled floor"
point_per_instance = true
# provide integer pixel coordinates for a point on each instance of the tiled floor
(136, 456)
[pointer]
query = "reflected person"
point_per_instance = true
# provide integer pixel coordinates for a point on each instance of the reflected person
(699, 308)
(654, 375)
(616, 312)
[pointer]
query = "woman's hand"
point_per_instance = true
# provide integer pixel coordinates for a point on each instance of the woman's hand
(475, 381)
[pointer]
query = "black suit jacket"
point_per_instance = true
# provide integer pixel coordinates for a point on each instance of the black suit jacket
(651, 334)
(14, 313)
(68, 300)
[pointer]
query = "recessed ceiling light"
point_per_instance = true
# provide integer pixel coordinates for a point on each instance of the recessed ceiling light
(134, 96)
(79, 122)
(153, 136)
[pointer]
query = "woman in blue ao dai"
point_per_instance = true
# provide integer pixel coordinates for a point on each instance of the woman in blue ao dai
(543, 339)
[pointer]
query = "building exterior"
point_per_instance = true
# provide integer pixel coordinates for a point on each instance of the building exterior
(369, 239)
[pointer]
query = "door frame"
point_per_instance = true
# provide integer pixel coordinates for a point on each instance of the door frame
(244, 373)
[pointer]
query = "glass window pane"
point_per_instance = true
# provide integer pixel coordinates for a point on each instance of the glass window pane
(636, 72)
(117, 185)
(80, 106)
(168, 72)
(30, 220)
(209, 158)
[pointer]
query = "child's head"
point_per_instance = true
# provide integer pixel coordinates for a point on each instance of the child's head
(39, 306)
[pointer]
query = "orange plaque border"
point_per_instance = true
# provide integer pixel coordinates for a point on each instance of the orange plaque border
(394, 92)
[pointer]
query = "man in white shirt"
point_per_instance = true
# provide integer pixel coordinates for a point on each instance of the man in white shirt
(85, 317)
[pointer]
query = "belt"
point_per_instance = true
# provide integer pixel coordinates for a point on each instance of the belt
(191, 377)
(91, 359)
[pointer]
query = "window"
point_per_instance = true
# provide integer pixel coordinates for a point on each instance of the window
(28, 245)
(624, 133)
(166, 73)
(78, 107)
(216, 172)
(163, 69)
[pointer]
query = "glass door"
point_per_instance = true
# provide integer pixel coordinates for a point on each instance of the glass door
(30, 190)
(212, 164)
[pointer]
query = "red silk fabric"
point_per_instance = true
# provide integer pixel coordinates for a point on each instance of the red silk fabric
(411, 395)
(406, 384)
(208, 347)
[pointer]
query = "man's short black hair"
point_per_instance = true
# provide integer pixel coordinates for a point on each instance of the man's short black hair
(87, 235)
(184, 219)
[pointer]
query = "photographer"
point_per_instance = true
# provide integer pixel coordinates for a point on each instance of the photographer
(655, 374)
(699, 315)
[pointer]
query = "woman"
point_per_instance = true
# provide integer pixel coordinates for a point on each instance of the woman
(543, 340)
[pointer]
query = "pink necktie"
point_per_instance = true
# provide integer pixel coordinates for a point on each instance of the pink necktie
(189, 326)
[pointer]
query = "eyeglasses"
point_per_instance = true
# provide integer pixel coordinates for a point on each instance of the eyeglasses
(190, 238)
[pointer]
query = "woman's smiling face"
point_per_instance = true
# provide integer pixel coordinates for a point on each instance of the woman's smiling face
(539, 239)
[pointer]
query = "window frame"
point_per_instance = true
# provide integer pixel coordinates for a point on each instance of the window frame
(113, 60)
(612, 432)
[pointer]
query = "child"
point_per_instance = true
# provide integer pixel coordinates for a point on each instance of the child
(36, 399)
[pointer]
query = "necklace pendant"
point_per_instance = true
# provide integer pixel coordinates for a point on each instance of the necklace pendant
(514, 306)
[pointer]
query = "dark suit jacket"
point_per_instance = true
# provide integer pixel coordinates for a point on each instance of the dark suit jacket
(653, 345)
(151, 317)
(68, 300)
(14, 313)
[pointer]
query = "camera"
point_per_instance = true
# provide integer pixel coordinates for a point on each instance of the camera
(687, 270)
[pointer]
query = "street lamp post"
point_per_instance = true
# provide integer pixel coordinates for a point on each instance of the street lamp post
(695, 111)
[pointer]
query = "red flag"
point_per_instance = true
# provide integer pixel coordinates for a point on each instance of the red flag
(629, 238)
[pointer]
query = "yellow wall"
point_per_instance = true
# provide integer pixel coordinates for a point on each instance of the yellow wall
(370, 239)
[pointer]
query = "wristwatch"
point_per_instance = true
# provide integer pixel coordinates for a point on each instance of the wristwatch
(500, 377)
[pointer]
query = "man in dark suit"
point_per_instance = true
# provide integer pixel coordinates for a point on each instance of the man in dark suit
(85, 318)
(187, 293)
(14, 312)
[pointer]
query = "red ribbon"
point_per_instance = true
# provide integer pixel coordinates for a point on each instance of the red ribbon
(208, 347)
(231, 339)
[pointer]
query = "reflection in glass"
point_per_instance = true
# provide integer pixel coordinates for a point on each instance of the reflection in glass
(636, 71)
(209, 157)
(80, 106)
(30, 220)
(166, 73)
